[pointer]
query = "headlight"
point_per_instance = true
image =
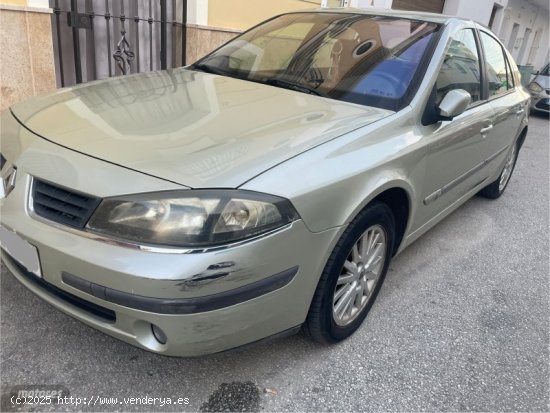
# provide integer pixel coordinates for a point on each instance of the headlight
(535, 87)
(191, 218)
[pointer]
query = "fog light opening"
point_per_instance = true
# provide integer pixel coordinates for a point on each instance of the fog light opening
(159, 334)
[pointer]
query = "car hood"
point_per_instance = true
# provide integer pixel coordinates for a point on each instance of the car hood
(192, 128)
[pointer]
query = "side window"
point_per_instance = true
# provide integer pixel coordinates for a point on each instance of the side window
(461, 69)
(498, 72)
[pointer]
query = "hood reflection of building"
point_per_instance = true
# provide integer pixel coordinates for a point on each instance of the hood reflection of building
(187, 112)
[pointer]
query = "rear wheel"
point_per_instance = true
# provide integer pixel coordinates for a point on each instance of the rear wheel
(495, 189)
(352, 276)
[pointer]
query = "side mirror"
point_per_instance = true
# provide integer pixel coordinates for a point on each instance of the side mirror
(454, 103)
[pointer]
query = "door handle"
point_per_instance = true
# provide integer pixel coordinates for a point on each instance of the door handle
(485, 131)
(520, 111)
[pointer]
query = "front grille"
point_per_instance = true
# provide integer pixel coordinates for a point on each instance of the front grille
(62, 205)
(87, 306)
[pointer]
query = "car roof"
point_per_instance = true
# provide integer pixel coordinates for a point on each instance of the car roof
(404, 14)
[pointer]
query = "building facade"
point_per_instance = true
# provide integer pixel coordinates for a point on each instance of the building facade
(53, 43)
(27, 64)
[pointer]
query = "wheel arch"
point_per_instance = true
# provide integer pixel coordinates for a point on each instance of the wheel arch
(398, 200)
(522, 136)
(397, 195)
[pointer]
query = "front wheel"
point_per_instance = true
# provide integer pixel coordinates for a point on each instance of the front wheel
(495, 189)
(352, 276)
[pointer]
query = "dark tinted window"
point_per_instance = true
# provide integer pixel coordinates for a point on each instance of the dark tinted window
(365, 59)
(461, 69)
(498, 72)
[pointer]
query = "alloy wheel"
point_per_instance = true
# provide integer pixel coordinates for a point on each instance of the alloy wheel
(359, 276)
(508, 168)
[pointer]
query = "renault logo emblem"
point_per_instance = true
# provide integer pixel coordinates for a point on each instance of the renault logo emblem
(8, 182)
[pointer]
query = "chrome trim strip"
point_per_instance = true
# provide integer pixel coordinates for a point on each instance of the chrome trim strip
(183, 305)
(457, 181)
(496, 154)
(8, 182)
(132, 245)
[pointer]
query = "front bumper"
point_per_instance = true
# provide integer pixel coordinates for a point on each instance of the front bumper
(187, 335)
(123, 291)
(204, 303)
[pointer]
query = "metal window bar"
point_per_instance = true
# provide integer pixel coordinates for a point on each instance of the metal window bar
(150, 21)
(107, 17)
(163, 34)
(90, 41)
(76, 45)
(85, 50)
(57, 12)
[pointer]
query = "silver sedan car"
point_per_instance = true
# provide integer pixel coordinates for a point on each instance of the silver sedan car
(540, 91)
(263, 189)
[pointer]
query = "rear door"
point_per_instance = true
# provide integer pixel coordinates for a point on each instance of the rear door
(505, 97)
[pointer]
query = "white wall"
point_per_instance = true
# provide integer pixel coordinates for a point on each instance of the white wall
(479, 11)
(528, 16)
(197, 12)
(383, 4)
(522, 12)
(38, 4)
(526, 13)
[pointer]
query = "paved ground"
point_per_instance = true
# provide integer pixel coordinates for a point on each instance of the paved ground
(462, 323)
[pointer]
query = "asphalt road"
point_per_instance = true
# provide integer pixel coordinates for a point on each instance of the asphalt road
(462, 323)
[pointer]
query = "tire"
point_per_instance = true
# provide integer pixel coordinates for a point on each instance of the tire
(496, 188)
(326, 322)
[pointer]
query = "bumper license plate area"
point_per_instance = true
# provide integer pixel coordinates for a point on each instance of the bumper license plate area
(20, 250)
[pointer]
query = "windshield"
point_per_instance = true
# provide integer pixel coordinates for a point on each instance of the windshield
(364, 59)
(545, 71)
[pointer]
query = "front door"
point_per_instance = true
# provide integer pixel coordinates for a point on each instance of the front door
(457, 149)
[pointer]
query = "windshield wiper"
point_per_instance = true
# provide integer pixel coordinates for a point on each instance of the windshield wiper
(293, 86)
(203, 67)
